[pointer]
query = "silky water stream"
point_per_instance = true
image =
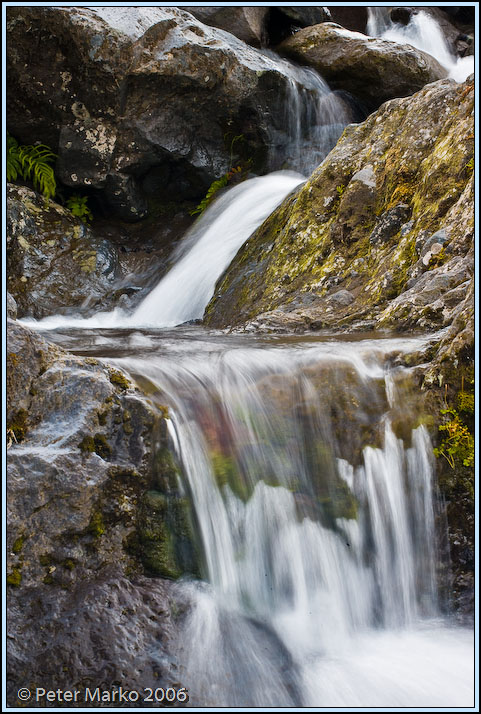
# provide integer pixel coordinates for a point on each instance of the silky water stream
(310, 478)
(317, 519)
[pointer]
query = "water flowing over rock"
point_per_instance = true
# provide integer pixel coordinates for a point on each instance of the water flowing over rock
(272, 506)
(390, 185)
(142, 104)
(372, 70)
(79, 466)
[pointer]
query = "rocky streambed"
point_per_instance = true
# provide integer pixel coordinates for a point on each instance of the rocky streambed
(145, 109)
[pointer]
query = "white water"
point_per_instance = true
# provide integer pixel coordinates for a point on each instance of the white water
(300, 607)
(314, 118)
(205, 252)
(422, 32)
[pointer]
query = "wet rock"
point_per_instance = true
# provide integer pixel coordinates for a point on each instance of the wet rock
(389, 185)
(80, 461)
(402, 15)
(11, 307)
(352, 18)
(372, 70)
(54, 262)
(127, 94)
(390, 223)
(246, 23)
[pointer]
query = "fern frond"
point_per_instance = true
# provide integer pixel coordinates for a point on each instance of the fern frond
(35, 162)
(14, 167)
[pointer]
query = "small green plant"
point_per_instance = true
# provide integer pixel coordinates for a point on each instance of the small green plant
(77, 205)
(340, 189)
(470, 164)
(458, 445)
(238, 173)
(31, 163)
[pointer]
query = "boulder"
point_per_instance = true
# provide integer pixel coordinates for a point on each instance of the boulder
(143, 105)
(246, 23)
(352, 18)
(387, 217)
(86, 452)
(371, 69)
(54, 261)
(56, 264)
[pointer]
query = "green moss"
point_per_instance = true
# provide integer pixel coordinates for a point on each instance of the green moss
(69, 564)
(96, 526)
(102, 446)
(118, 379)
(18, 544)
(18, 424)
(14, 578)
(97, 444)
(87, 445)
(45, 559)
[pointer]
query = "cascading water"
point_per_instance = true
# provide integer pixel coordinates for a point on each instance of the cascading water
(314, 118)
(422, 32)
(318, 527)
(311, 487)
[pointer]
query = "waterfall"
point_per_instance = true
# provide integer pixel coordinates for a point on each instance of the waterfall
(317, 523)
(422, 32)
(314, 117)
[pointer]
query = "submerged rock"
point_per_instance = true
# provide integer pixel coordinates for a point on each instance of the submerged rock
(372, 70)
(391, 190)
(85, 448)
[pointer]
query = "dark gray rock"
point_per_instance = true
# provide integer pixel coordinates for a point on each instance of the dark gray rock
(11, 307)
(246, 23)
(401, 15)
(352, 18)
(86, 448)
(125, 94)
(371, 69)
(390, 223)
(54, 261)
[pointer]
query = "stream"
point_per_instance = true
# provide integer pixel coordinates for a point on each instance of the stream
(311, 480)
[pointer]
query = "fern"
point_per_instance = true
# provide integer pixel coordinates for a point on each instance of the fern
(209, 196)
(234, 175)
(14, 166)
(77, 205)
(32, 163)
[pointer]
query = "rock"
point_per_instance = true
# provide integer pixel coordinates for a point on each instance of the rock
(246, 23)
(281, 22)
(54, 262)
(11, 307)
(349, 223)
(341, 298)
(352, 18)
(142, 104)
(390, 223)
(85, 449)
(402, 15)
(371, 69)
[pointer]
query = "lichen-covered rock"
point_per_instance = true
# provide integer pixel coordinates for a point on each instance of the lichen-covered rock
(371, 69)
(139, 102)
(54, 262)
(58, 265)
(82, 456)
(387, 217)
